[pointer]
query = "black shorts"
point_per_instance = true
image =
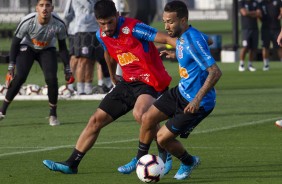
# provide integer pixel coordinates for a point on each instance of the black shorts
(268, 36)
(84, 44)
(121, 99)
(172, 104)
(250, 38)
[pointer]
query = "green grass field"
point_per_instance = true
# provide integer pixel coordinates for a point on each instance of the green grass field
(238, 143)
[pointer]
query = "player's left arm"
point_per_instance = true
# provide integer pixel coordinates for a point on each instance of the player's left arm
(213, 76)
(165, 39)
(206, 62)
(145, 32)
(64, 55)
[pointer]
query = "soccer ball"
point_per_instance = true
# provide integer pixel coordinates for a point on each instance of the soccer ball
(150, 168)
(22, 90)
(44, 90)
(3, 89)
(64, 90)
(32, 89)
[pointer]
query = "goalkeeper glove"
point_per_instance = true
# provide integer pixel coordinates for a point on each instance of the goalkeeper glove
(10, 75)
(68, 75)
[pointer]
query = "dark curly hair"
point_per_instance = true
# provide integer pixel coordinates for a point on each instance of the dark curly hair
(179, 7)
(105, 9)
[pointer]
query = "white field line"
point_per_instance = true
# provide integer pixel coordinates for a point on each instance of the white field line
(131, 140)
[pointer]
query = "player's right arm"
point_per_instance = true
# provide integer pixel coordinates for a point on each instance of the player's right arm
(111, 63)
(15, 47)
(112, 66)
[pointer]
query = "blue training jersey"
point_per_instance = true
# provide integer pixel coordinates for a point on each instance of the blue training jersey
(194, 58)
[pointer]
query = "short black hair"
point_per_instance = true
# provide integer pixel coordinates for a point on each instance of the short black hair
(179, 7)
(48, 0)
(105, 9)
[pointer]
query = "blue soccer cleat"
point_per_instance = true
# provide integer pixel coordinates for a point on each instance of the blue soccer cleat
(185, 170)
(60, 167)
(128, 168)
(168, 164)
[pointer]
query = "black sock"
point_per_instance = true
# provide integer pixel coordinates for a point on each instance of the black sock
(143, 149)
(186, 158)
(75, 158)
(53, 110)
(162, 152)
(4, 107)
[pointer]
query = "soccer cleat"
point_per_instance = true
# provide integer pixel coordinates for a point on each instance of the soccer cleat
(251, 68)
(128, 168)
(279, 123)
(168, 164)
(53, 121)
(265, 68)
(185, 170)
(241, 68)
(59, 167)
(2, 116)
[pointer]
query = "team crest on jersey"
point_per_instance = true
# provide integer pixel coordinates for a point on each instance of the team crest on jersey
(103, 34)
(125, 30)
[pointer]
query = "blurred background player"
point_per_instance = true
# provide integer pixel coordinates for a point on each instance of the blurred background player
(35, 39)
(279, 42)
(270, 16)
(249, 31)
(85, 49)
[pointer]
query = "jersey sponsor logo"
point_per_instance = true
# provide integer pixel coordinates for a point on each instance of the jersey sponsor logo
(39, 43)
(126, 58)
(183, 72)
(126, 30)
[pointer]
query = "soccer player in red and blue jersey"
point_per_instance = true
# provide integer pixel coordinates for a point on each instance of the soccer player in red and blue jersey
(128, 43)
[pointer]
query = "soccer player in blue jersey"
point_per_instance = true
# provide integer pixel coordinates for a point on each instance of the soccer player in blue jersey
(188, 103)
(35, 39)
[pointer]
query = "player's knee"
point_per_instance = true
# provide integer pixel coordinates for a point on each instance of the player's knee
(94, 124)
(147, 122)
(161, 139)
(138, 115)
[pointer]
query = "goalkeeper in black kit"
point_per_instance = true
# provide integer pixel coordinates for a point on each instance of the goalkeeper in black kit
(35, 39)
